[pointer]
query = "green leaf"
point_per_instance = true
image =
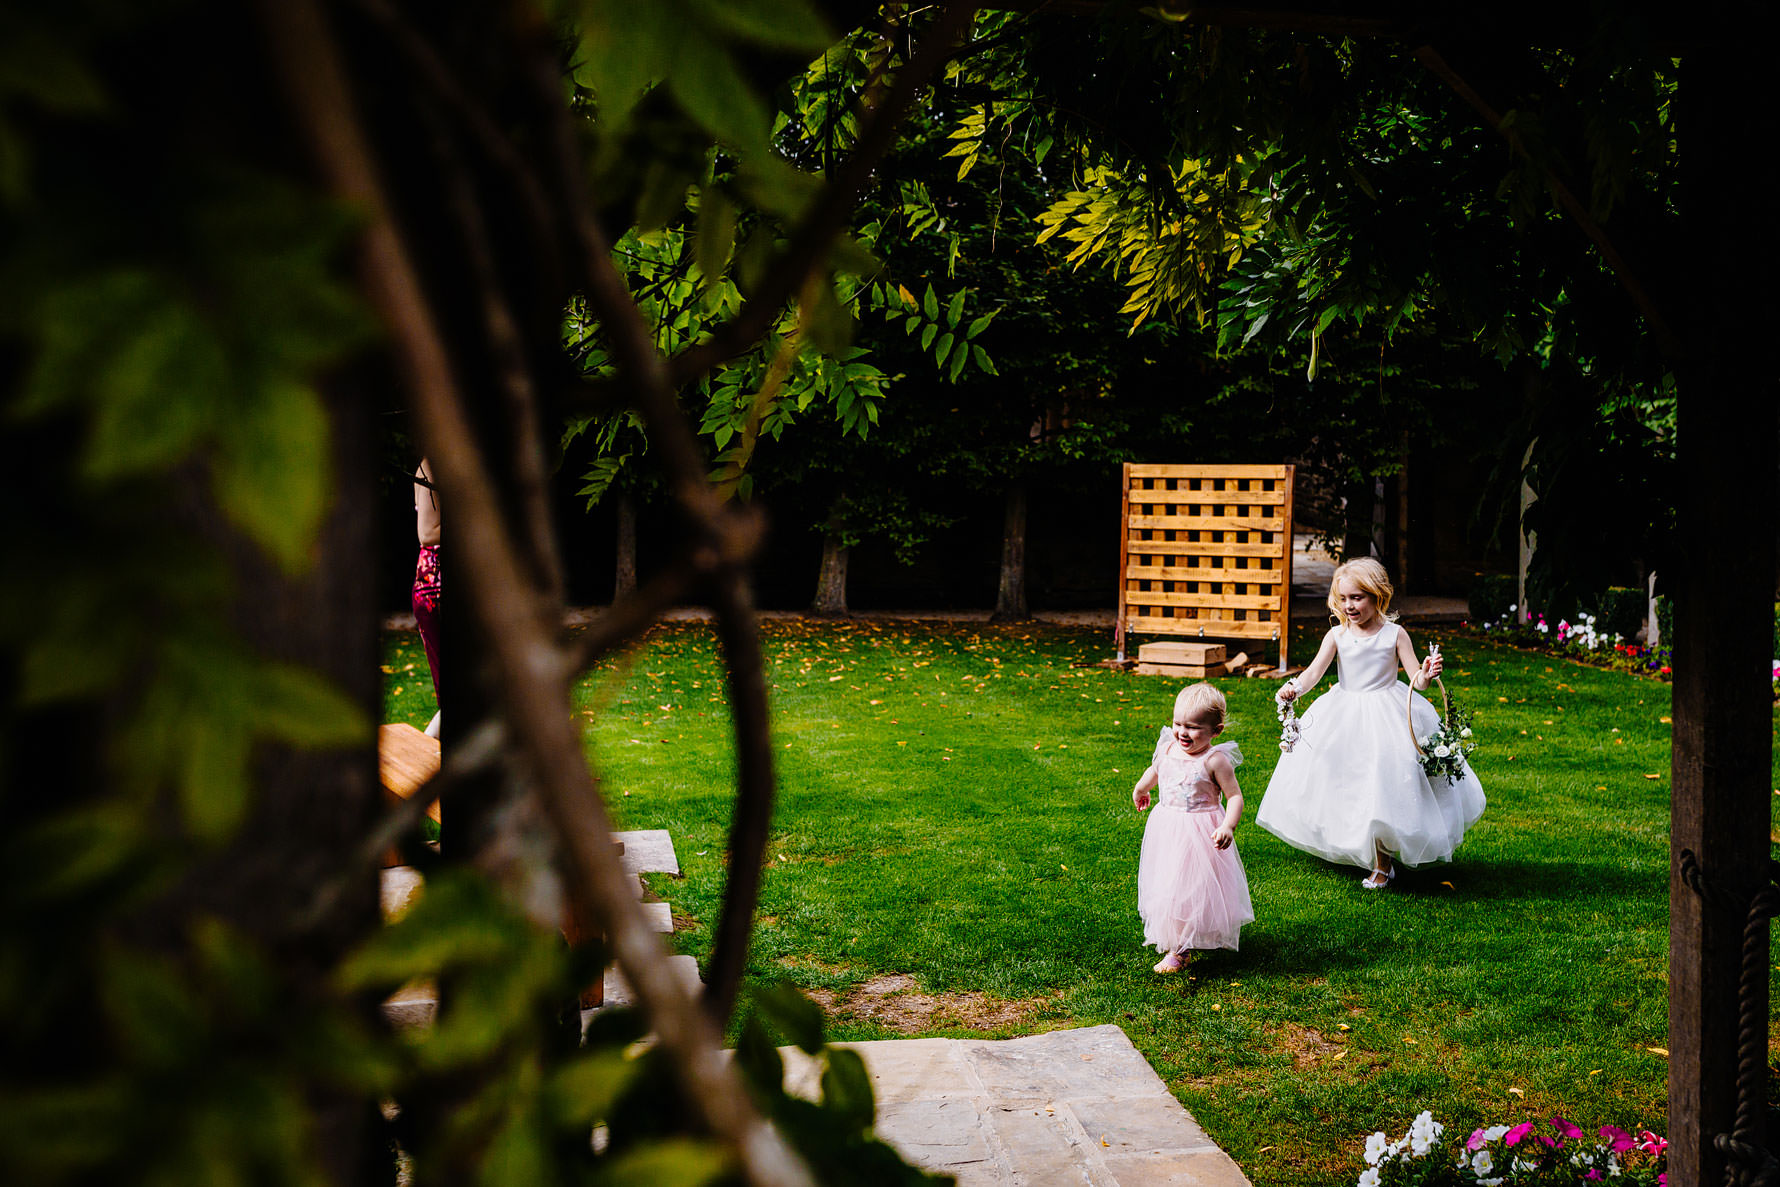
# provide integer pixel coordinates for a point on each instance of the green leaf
(150, 1008)
(759, 1061)
(213, 786)
(272, 473)
(674, 1162)
(846, 1089)
(297, 705)
(982, 359)
(791, 1014)
(959, 358)
(940, 351)
(980, 324)
(830, 324)
(156, 393)
(712, 90)
(623, 48)
(777, 24)
(927, 335)
(955, 310)
(581, 1093)
(930, 306)
(716, 232)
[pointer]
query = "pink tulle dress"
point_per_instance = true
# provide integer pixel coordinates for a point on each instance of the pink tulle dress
(1190, 893)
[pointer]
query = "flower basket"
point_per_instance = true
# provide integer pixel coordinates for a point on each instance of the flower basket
(1442, 753)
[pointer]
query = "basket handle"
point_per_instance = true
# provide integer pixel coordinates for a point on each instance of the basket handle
(1409, 712)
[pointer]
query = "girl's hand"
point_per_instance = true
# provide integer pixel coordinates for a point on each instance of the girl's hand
(1141, 799)
(1288, 692)
(1434, 664)
(1223, 836)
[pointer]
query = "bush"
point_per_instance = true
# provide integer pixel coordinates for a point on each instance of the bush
(1665, 621)
(1491, 595)
(1620, 611)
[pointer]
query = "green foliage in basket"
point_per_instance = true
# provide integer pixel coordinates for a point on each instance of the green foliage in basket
(1444, 750)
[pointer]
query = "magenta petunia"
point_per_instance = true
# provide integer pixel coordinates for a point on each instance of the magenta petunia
(1592, 1176)
(1620, 1141)
(1513, 1136)
(1565, 1128)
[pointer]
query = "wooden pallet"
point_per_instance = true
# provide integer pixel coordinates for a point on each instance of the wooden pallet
(1202, 654)
(1185, 671)
(1206, 552)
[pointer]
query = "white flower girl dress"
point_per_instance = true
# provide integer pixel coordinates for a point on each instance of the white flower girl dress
(1353, 781)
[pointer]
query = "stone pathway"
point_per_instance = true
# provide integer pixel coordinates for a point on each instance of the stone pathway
(645, 851)
(1069, 1107)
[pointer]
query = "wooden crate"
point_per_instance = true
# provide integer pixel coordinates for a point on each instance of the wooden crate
(1206, 552)
(1184, 671)
(1181, 653)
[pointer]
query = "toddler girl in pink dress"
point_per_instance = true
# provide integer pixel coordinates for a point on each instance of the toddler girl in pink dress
(1191, 891)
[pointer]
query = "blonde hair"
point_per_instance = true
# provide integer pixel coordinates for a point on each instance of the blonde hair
(1201, 698)
(1370, 576)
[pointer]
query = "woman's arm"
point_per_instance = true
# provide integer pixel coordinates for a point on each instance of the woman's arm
(1420, 674)
(1221, 770)
(1306, 680)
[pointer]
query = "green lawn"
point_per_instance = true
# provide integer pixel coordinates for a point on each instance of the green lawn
(954, 853)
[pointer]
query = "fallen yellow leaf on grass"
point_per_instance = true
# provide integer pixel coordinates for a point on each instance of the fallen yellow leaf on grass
(1667, 720)
(1663, 1051)
(1343, 1026)
(1596, 1072)
(1217, 1005)
(1449, 885)
(1653, 776)
(1517, 1092)
(1409, 1040)
(1341, 1055)
(1263, 1149)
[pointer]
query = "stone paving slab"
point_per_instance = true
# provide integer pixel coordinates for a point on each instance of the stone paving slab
(1068, 1107)
(648, 851)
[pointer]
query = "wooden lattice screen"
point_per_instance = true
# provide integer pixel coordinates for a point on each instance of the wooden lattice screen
(1206, 552)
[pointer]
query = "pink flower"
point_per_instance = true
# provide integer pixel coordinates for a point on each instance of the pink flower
(1662, 1180)
(1620, 1140)
(1475, 1141)
(1565, 1128)
(1592, 1176)
(1513, 1136)
(1651, 1143)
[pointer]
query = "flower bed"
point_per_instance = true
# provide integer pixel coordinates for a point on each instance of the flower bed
(1525, 1155)
(1581, 640)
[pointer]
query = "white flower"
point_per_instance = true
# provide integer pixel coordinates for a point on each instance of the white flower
(1375, 1146)
(1512, 609)
(1466, 733)
(1425, 1131)
(1495, 1133)
(1482, 1163)
(1369, 1177)
(1442, 751)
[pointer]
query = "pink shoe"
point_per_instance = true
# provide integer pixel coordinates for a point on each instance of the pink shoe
(1172, 963)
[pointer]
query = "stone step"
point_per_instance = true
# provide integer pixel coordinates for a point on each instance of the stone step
(619, 992)
(648, 851)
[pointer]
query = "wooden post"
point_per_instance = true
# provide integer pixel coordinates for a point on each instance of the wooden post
(1124, 554)
(1723, 594)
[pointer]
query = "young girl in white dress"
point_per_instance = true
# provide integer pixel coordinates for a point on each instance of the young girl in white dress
(1191, 891)
(1353, 790)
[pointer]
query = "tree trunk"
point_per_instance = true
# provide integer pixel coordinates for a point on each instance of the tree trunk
(626, 580)
(831, 582)
(1010, 598)
(1723, 590)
